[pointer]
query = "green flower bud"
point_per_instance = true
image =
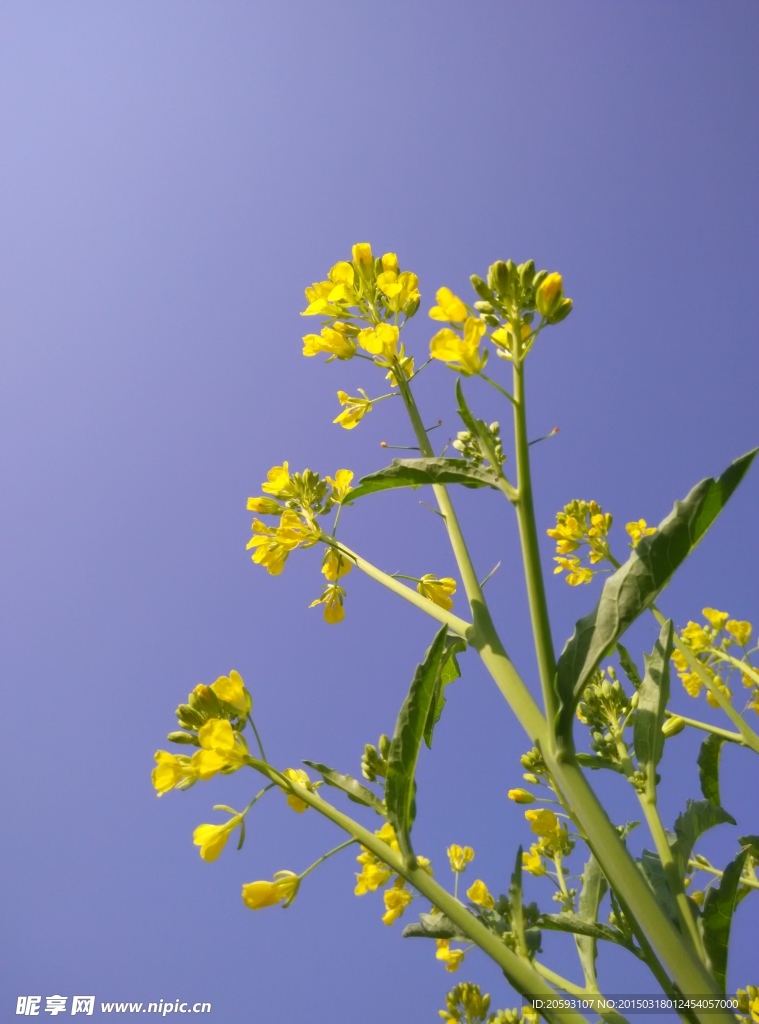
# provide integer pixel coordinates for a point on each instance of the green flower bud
(411, 307)
(183, 737)
(481, 288)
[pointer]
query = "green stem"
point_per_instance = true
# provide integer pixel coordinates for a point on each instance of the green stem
(742, 666)
(710, 869)
(520, 974)
(258, 738)
(256, 798)
(528, 534)
(453, 622)
(647, 801)
(733, 737)
(623, 874)
(611, 1016)
(326, 856)
(498, 387)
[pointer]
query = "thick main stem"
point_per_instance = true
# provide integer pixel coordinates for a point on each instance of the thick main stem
(536, 596)
(687, 971)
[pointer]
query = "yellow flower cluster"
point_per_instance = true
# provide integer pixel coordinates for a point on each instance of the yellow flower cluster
(748, 1003)
(221, 749)
(368, 290)
(554, 841)
(375, 874)
(460, 349)
(298, 500)
(711, 644)
(580, 524)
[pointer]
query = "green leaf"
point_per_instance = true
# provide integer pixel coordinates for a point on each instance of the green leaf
(417, 472)
(708, 767)
(653, 695)
(478, 428)
(636, 585)
(351, 787)
(433, 926)
(591, 894)
(449, 673)
(717, 917)
(407, 739)
(651, 866)
(752, 842)
(629, 667)
(569, 922)
(516, 910)
(697, 818)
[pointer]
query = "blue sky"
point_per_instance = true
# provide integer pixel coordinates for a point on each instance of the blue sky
(175, 174)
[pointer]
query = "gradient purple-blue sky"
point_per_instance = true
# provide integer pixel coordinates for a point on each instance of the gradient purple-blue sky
(174, 174)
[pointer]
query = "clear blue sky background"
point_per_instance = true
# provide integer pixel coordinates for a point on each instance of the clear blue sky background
(175, 173)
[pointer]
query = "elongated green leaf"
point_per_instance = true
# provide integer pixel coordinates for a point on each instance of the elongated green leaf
(568, 922)
(651, 866)
(433, 926)
(635, 586)
(708, 767)
(629, 667)
(591, 894)
(449, 673)
(417, 472)
(717, 918)
(697, 818)
(351, 787)
(404, 749)
(478, 428)
(653, 695)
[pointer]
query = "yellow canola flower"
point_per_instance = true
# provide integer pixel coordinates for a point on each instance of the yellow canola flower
(399, 289)
(577, 573)
(300, 777)
(362, 256)
(450, 308)
(740, 630)
(335, 565)
(278, 480)
(696, 637)
(355, 409)
(503, 338)
(461, 354)
(638, 530)
(332, 599)
(221, 748)
(396, 900)
(381, 340)
(213, 838)
(459, 857)
(274, 544)
(373, 876)
(723, 688)
(549, 294)
(258, 895)
(231, 689)
(715, 619)
(439, 591)
(452, 958)
(532, 862)
(478, 893)
(521, 796)
(340, 483)
(543, 822)
(335, 341)
(171, 772)
(264, 506)
(318, 296)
